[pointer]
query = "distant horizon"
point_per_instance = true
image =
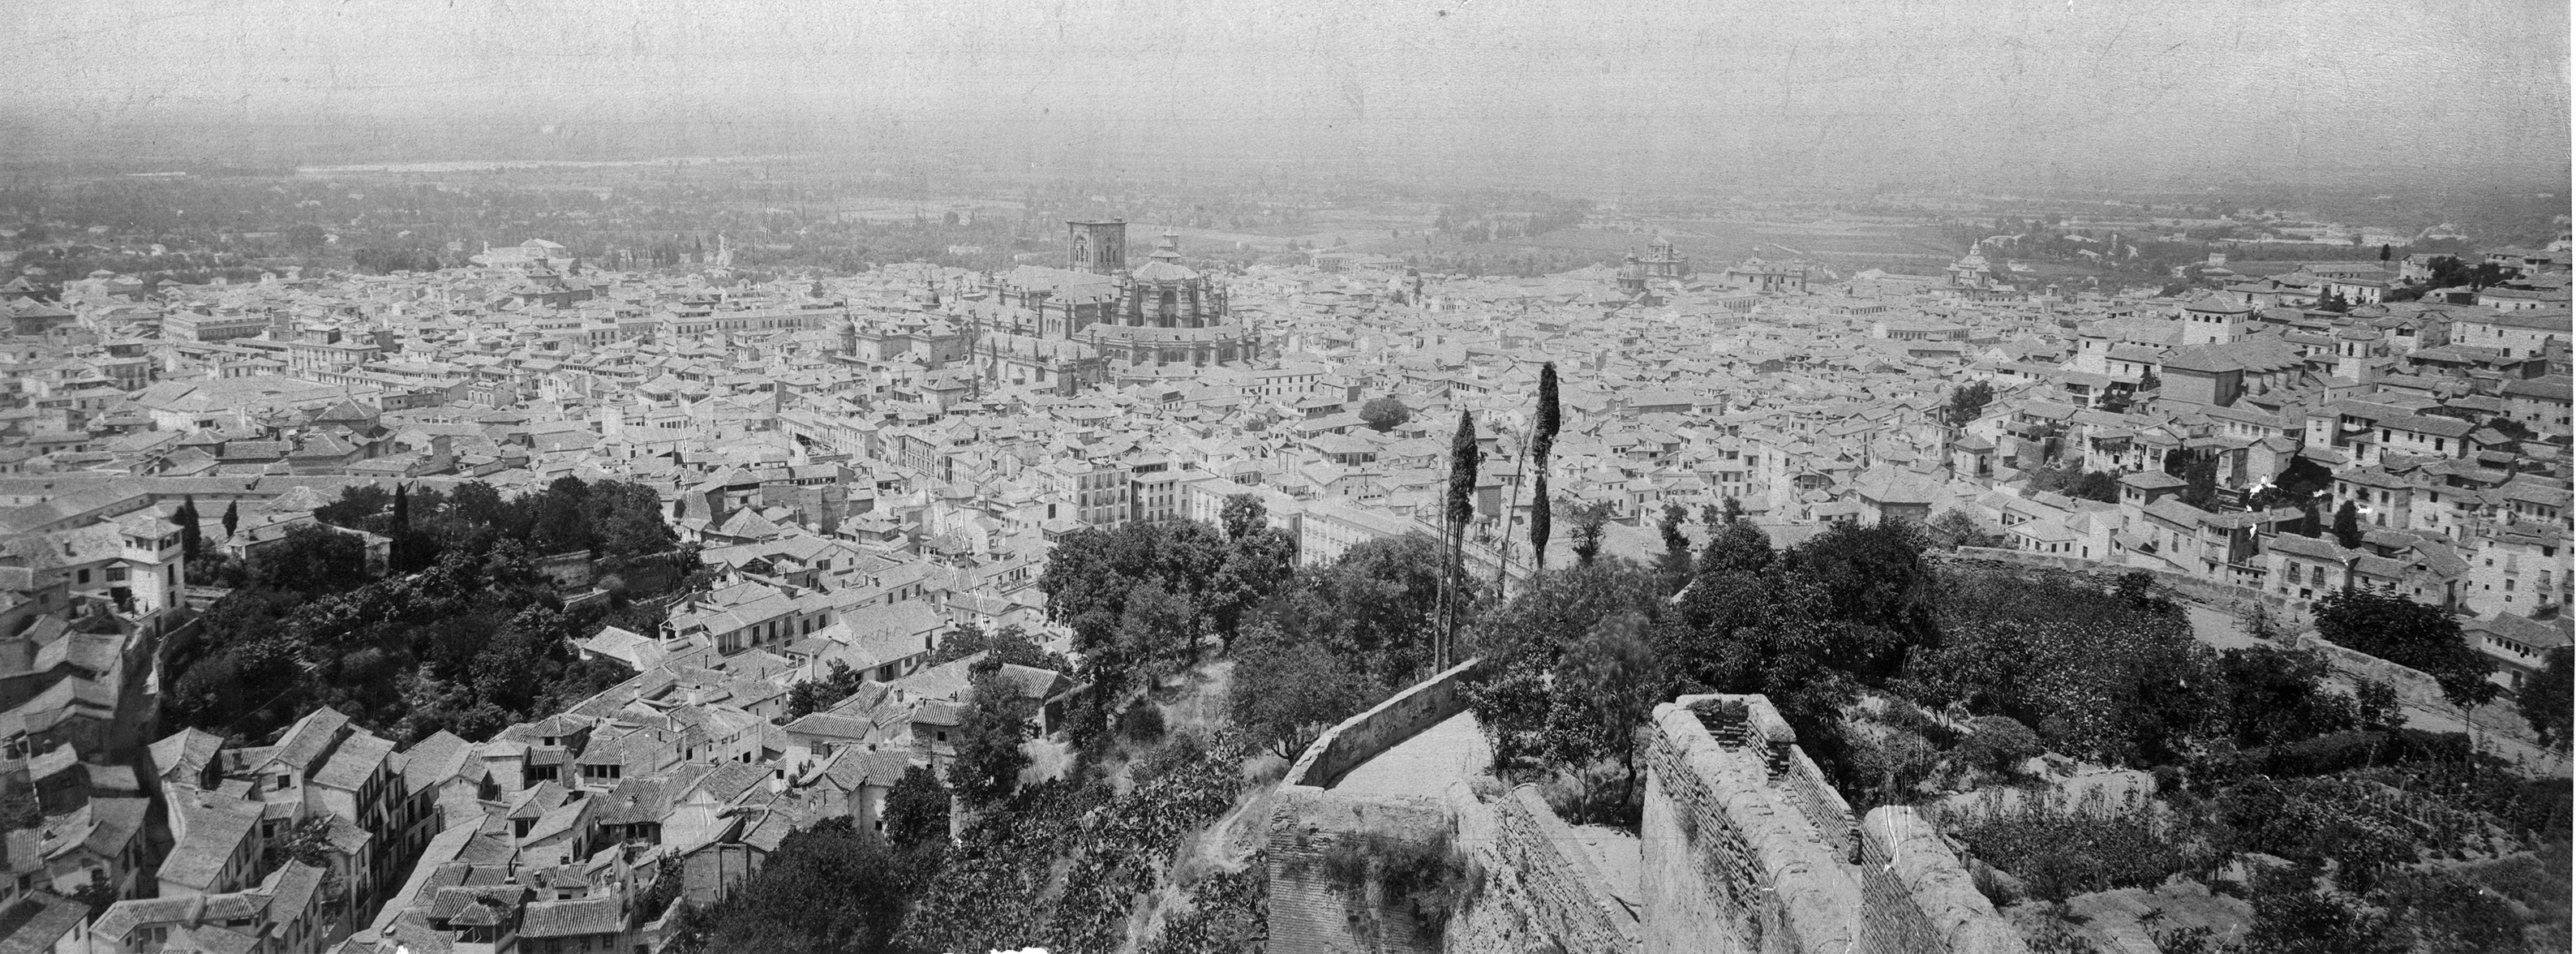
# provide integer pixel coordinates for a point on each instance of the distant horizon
(1659, 90)
(1565, 174)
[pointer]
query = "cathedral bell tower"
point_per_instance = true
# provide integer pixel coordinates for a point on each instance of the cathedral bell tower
(1099, 247)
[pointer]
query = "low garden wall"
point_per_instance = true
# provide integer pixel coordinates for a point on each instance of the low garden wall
(1364, 736)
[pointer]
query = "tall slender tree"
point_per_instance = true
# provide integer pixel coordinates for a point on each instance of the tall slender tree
(192, 534)
(1534, 454)
(1542, 520)
(400, 531)
(1551, 417)
(1463, 457)
(232, 518)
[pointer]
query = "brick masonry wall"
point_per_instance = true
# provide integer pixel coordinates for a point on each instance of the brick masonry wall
(1747, 849)
(1309, 914)
(1557, 885)
(1917, 897)
(1731, 865)
(1815, 798)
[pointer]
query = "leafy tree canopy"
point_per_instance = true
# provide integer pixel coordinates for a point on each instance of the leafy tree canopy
(2410, 634)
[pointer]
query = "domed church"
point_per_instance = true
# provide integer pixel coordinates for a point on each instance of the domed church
(1157, 321)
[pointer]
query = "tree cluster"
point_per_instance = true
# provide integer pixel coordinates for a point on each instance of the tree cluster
(465, 635)
(1141, 597)
(379, 261)
(828, 888)
(2071, 479)
(2411, 634)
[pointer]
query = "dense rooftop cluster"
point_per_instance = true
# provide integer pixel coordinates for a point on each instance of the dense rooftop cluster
(820, 483)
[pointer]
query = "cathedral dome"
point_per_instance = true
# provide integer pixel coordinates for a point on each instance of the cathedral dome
(1163, 270)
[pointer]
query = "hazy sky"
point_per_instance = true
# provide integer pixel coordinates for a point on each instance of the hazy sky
(1957, 85)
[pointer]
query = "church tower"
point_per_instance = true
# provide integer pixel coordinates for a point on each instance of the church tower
(1099, 247)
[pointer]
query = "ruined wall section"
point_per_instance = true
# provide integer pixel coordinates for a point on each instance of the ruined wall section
(1918, 896)
(1312, 914)
(1732, 862)
(1309, 912)
(1745, 849)
(1540, 887)
(1748, 849)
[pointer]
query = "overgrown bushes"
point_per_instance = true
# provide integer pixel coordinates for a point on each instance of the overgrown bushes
(1059, 864)
(1430, 878)
(2059, 849)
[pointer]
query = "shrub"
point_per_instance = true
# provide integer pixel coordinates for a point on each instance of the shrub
(1142, 723)
(2000, 744)
(1910, 717)
(1892, 763)
(2059, 850)
(1430, 878)
(1722, 717)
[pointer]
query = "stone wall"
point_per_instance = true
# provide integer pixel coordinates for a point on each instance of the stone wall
(569, 571)
(1744, 848)
(1806, 787)
(1747, 849)
(1363, 736)
(1732, 864)
(1542, 875)
(1309, 914)
(1917, 896)
(2213, 594)
(2414, 688)
(1312, 914)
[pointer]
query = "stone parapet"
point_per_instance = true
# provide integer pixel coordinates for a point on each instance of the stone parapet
(1309, 914)
(1732, 863)
(1368, 734)
(1748, 848)
(1918, 896)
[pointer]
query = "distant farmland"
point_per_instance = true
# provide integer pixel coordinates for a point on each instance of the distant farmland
(1714, 243)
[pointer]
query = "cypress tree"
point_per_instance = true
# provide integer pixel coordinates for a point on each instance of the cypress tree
(1550, 416)
(1540, 523)
(1461, 510)
(191, 534)
(1462, 475)
(401, 529)
(232, 518)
